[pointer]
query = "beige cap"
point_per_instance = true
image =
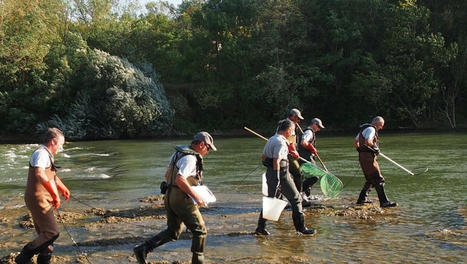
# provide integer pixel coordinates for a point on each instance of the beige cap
(296, 112)
(317, 121)
(204, 136)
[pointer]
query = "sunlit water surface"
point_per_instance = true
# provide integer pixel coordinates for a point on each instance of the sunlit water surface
(427, 227)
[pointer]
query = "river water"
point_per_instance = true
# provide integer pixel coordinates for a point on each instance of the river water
(119, 178)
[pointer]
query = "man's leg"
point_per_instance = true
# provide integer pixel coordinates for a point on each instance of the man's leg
(291, 193)
(173, 231)
(362, 198)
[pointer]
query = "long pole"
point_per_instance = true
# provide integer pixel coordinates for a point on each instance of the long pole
(253, 132)
(395, 163)
(322, 163)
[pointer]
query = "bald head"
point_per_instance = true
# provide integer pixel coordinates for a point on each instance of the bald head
(378, 122)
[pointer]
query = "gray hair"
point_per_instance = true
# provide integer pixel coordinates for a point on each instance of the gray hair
(51, 133)
(285, 124)
(377, 119)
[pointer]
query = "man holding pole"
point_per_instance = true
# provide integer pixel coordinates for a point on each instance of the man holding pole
(307, 150)
(367, 145)
(294, 167)
(278, 178)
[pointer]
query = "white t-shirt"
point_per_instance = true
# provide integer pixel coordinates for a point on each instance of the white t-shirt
(367, 133)
(308, 135)
(276, 147)
(186, 165)
(40, 158)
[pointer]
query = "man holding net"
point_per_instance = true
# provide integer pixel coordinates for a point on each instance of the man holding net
(307, 150)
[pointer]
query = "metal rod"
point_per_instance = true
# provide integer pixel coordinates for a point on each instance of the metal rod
(397, 164)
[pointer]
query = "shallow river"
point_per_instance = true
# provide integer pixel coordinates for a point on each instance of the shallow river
(428, 226)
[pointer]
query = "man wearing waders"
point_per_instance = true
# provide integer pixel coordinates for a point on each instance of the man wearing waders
(294, 167)
(367, 146)
(184, 171)
(42, 198)
(278, 178)
(307, 150)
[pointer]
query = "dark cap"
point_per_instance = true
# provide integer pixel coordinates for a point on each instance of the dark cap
(296, 112)
(204, 136)
(317, 121)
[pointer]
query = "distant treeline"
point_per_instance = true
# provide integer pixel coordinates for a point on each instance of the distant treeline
(100, 69)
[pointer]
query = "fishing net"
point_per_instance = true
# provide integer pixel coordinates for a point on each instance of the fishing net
(330, 185)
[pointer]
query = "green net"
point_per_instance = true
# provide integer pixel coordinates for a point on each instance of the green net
(330, 185)
(311, 171)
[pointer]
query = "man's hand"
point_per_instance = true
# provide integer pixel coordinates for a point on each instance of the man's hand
(200, 202)
(53, 192)
(292, 151)
(64, 190)
(312, 148)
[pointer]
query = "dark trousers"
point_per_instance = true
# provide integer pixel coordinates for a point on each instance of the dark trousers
(287, 188)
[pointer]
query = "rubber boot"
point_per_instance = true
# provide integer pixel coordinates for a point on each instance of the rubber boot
(197, 258)
(141, 251)
(299, 223)
(44, 258)
(362, 198)
(261, 229)
(383, 199)
(45, 255)
(25, 255)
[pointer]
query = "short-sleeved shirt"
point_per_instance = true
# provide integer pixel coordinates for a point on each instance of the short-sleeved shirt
(308, 135)
(186, 165)
(40, 158)
(367, 133)
(276, 147)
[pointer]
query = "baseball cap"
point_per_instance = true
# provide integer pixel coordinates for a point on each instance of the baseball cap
(317, 121)
(296, 112)
(204, 136)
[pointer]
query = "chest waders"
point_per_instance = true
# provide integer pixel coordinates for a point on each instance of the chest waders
(37, 200)
(304, 152)
(180, 209)
(287, 188)
(370, 167)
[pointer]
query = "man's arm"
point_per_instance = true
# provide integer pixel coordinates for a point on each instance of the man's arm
(39, 173)
(62, 188)
(276, 163)
(182, 183)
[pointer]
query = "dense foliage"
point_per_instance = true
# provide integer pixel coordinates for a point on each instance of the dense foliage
(89, 66)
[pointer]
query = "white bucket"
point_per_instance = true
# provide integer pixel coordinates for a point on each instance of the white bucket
(272, 208)
(265, 185)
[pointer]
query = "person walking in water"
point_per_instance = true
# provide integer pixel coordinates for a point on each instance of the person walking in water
(294, 167)
(184, 171)
(275, 159)
(367, 145)
(307, 150)
(42, 198)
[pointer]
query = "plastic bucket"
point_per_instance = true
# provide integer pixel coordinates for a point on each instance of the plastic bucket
(264, 185)
(272, 208)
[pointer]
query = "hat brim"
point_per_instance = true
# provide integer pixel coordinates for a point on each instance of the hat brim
(212, 147)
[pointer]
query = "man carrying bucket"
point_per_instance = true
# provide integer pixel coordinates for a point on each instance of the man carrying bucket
(278, 177)
(184, 171)
(367, 146)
